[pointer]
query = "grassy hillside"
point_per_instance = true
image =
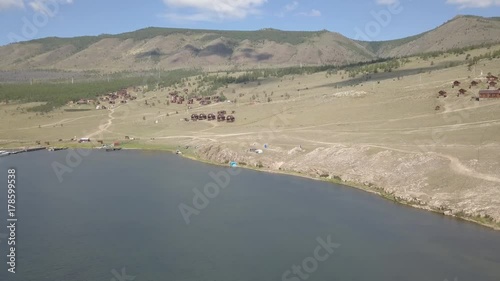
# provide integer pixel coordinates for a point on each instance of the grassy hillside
(279, 36)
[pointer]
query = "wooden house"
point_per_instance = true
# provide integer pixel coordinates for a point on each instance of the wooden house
(489, 94)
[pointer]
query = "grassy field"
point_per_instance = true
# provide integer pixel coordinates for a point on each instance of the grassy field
(378, 130)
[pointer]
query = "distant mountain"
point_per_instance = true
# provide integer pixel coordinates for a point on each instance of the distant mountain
(170, 48)
(460, 32)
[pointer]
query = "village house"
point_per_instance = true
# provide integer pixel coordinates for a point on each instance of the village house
(488, 94)
(221, 118)
(473, 84)
(492, 78)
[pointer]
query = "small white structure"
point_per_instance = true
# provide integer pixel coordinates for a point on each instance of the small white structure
(259, 151)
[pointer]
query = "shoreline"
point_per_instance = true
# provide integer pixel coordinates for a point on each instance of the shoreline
(384, 195)
(373, 190)
(485, 222)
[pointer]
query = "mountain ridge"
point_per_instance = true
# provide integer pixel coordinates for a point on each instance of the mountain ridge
(172, 48)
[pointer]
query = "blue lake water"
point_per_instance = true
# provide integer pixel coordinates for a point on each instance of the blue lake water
(116, 216)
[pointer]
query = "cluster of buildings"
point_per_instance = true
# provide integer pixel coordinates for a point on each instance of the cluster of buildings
(122, 96)
(490, 92)
(176, 97)
(208, 100)
(220, 117)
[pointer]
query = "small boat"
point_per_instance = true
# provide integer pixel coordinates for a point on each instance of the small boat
(4, 153)
(113, 148)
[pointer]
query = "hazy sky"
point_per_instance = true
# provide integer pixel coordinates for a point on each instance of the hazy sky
(364, 19)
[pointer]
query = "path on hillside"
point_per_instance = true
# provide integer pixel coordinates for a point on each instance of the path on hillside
(63, 121)
(105, 126)
(455, 163)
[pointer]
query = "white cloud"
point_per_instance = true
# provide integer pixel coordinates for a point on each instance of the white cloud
(8, 4)
(190, 17)
(288, 8)
(474, 3)
(292, 6)
(36, 5)
(387, 2)
(210, 10)
(312, 13)
(44, 6)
